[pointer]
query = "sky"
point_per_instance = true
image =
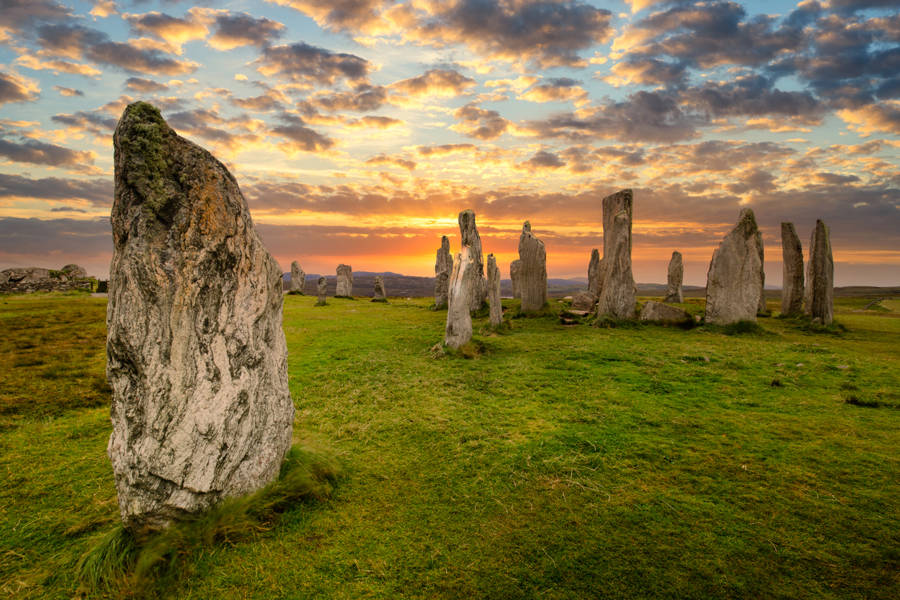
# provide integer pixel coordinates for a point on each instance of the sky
(358, 130)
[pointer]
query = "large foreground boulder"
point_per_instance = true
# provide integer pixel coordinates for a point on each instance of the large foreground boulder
(820, 276)
(443, 266)
(470, 239)
(344, 281)
(196, 355)
(533, 271)
(734, 282)
(617, 290)
(791, 271)
(674, 292)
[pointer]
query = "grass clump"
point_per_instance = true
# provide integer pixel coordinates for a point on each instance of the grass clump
(143, 563)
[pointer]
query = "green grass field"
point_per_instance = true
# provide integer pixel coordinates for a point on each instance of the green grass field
(560, 462)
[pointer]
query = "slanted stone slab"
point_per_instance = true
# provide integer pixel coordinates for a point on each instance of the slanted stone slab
(469, 238)
(443, 266)
(674, 292)
(379, 295)
(298, 278)
(196, 355)
(515, 270)
(595, 274)
(533, 272)
(493, 286)
(459, 321)
(663, 313)
(791, 271)
(617, 291)
(734, 281)
(820, 276)
(322, 291)
(583, 301)
(344, 281)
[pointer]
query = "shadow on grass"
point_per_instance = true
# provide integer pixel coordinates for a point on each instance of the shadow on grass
(141, 564)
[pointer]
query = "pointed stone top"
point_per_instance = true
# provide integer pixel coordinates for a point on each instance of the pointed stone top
(526, 227)
(467, 229)
(676, 253)
(295, 265)
(747, 221)
(445, 242)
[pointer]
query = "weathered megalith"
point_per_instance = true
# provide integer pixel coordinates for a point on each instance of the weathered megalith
(379, 294)
(791, 271)
(459, 321)
(583, 301)
(663, 313)
(761, 309)
(533, 272)
(493, 287)
(820, 276)
(344, 282)
(196, 355)
(443, 266)
(734, 280)
(298, 278)
(515, 270)
(469, 238)
(322, 291)
(595, 274)
(676, 275)
(617, 290)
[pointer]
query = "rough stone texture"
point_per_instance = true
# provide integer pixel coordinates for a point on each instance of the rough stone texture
(617, 290)
(322, 291)
(820, 276)
(196, 356)
(443, 266)
(469, 238)
(734, 282)
(459, 322)
(595, 274)
(379, 295)
(663, 313)
(583, 301)
(493, 287)
(73, 272)
(37, 279)
(298, 278)
(761, 308)
(676, 275)
(533, 272)
(792, 271)
(515, 270)
(344, 282)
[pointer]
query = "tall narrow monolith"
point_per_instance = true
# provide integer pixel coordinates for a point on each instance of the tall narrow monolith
(469, 238)
(493, 285)
(298, 278)
(820, 276)
(344, 287)
(791, 271)
(443, 266)
(533, 272)
(674, 292)
(515, 270)
(617, 289)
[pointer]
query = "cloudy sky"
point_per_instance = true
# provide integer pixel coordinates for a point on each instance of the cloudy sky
(359, 129)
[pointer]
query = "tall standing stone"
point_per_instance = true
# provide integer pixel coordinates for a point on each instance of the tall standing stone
(379, 295)
(515, 271)
(791, 271)
(344, 281)
(469, 238)
(734, 281)
(298, 278)
(533, 273)
(196, 355)
(595, 273)
(674, 292)
(322, 291)
(443, 266)
(617, 297)
(761, 309)
(459, 322)
(820, 276)
(493, 285)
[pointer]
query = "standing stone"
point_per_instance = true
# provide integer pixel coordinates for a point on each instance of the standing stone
(792, 271)
(443, 266)
(734, 280)
(595, 273)
(493, 286)
(459, 322)
(617, 297)
(761, 309)
(298, 278)
(533, 274)
(613, 204)
(379, 294)
(469, 238)
(196, 355)
(322, 290)
(676, 275)
(344, 282)
(820, 276)
(515, 271)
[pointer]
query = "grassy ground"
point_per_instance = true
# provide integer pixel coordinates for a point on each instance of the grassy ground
(561, 462)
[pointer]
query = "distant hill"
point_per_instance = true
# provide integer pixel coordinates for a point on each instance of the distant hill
(408, 286)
